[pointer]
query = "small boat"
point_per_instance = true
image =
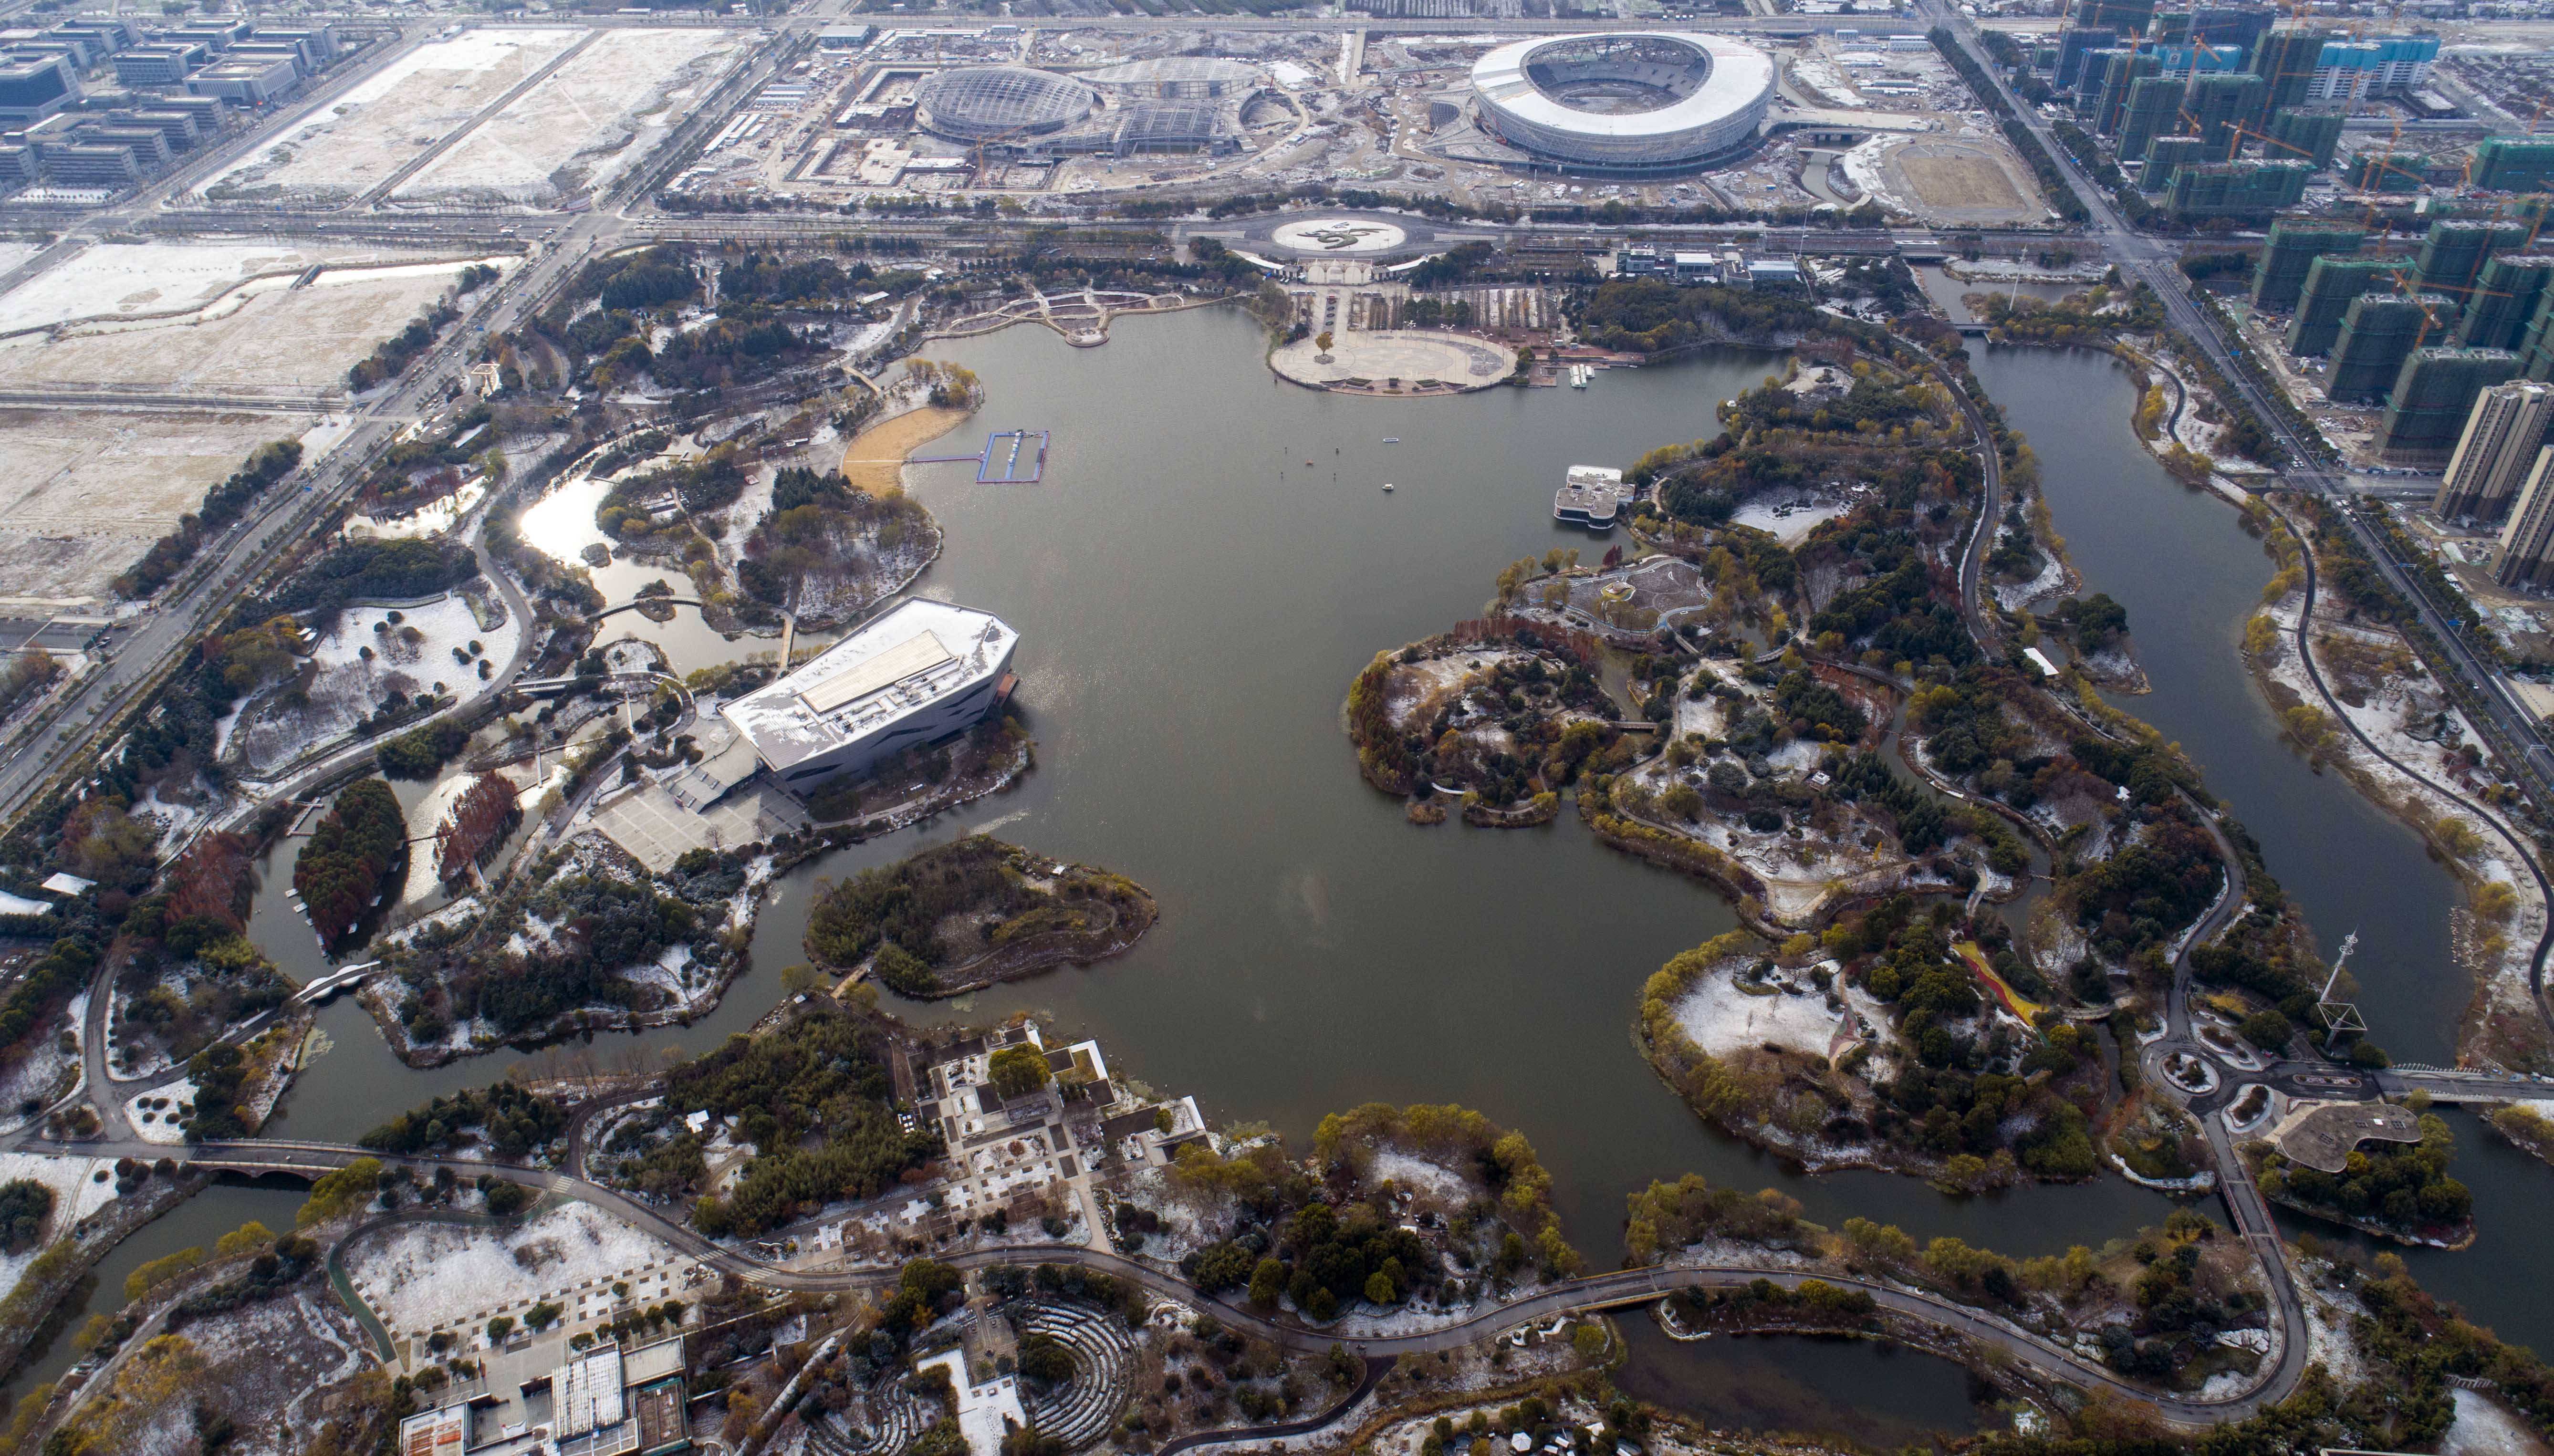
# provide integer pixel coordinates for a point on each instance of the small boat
(1392, 439)
(1387, 488)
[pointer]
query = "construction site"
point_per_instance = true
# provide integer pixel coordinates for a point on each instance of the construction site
(521, 115)
(1037, 115)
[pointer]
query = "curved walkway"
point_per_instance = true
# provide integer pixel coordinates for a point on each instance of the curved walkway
(2038, 1357)
(2314, 674)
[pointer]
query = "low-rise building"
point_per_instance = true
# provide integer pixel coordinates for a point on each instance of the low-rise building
(160, 66)
(33, 87)
(1591, 495)
(548, 1398)
(255, 82)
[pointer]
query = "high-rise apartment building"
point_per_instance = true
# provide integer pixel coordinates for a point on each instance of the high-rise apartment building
(2503, 437)
(2529, 540)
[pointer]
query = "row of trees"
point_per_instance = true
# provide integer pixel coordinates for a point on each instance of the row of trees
(485, 814)
(223, 503)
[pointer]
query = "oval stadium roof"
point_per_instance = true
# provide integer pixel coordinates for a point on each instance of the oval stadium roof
(1737, 80)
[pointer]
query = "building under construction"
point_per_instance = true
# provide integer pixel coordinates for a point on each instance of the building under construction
(2504, 299)
(2330, 286)
(2166, 155)
(2223, 106)
(2122, 71)
(2385, 172)
(2454, 253)
(2514, 164)
(2285, 60)
(2235, 189)
(2432, 396)
(2297, 135)
(2153, 110)
(2378, 334)
(2536, 346)
(2293, 245)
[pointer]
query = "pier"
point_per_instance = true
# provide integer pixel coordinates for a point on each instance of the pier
(1008, 455)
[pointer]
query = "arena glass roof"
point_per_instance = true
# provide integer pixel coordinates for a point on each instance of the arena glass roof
(1740, 77)
(987, 100)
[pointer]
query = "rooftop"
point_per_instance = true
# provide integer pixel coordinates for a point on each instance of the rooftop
(913, 656)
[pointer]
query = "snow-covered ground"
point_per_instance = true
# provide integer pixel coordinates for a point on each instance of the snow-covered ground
(384, 122)
(2483, 1427)
(2051, 581)
(1722, 1019)
(426, 1276)
(1419, 1175)
(77, 1194)
(347, 688)
(43, 1069)
(1788, 519)
(135, 280)
(153, 1114)
(590, 120)
(2505, 978)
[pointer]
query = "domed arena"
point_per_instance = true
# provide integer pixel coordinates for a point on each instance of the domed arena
(1626, 102)
(982, 103)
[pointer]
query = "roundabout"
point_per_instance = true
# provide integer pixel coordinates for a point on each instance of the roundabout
(1368, 237)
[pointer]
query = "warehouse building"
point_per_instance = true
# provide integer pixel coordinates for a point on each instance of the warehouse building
(921, 673)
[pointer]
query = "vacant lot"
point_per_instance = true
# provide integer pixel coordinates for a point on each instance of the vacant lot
(151, 279)
(89, 491)
(392, 119)
(265, 337)
(1962, 184)
(590, 120)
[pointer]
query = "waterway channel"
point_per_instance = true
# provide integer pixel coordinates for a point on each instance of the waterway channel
(1868, 1394)
(1210, 561)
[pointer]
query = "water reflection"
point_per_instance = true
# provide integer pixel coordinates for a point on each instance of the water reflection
(195, 1223)
(1869, 1394)
(1194, 599)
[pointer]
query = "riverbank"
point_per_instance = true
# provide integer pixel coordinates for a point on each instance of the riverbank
(2354, 697)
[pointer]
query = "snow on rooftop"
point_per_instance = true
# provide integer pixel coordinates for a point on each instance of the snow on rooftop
(920, 652)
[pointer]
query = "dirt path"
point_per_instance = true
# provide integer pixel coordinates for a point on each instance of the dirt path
(875, 458)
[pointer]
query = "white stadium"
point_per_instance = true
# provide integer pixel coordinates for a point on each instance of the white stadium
(1626, 102)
